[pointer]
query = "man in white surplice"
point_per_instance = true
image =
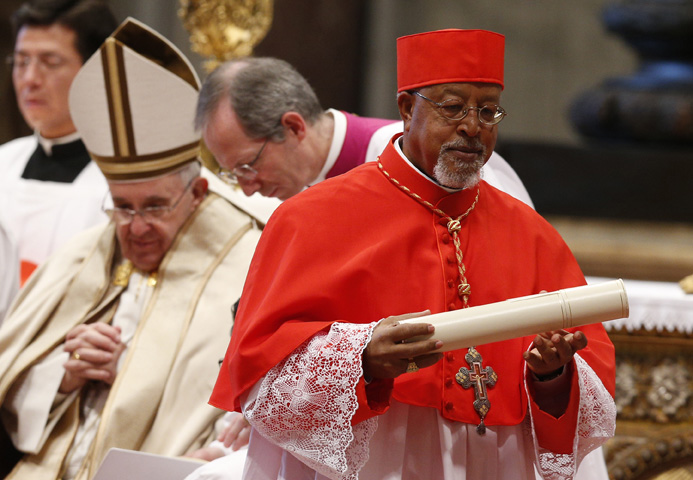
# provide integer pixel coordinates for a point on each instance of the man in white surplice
(50, 189)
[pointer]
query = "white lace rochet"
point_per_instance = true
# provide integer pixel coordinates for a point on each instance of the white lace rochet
(305, 405)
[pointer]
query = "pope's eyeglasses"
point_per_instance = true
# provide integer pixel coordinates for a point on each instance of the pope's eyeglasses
(456, 110)
(243, 172)
(124, 216)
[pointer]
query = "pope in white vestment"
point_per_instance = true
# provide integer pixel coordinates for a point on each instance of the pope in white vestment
(157, 282)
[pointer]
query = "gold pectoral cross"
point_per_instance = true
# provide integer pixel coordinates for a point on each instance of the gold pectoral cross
(479, 377)
(121, 278)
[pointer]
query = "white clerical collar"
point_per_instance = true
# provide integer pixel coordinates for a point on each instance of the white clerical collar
(404, 157)
(338, 136)
(47, 143)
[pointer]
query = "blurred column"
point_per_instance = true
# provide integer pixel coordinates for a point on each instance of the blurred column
(654, 104)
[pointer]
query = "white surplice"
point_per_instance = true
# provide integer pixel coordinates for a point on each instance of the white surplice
(405, 443)
(42, 215)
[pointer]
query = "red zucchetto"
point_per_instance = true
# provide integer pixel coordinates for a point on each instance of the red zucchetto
(449, 56)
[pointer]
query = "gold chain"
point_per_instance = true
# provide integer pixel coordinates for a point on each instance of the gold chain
(454, 226)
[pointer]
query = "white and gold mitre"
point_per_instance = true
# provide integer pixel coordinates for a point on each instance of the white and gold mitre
(133, 102)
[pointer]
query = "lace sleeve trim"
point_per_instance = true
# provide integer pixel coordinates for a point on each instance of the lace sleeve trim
(596, 423)
(305, 404)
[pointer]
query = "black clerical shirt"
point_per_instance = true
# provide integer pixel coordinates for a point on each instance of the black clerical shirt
(65, 162)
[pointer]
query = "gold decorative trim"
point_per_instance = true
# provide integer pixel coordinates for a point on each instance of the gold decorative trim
(146, 163)
(151, 45)
(121, 278)
(222, 30)
(665, 457)
(116, 90)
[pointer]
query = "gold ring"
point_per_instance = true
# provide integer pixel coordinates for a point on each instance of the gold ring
(412, 367)
(75, 355)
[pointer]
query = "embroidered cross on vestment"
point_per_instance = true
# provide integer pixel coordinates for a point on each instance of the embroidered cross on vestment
(478, 377)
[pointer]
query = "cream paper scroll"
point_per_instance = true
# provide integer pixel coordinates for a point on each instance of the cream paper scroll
(530, 315)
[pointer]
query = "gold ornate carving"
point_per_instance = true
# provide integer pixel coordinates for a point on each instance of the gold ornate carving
(661, 457)
(687, 284)
(221, 30)
(654, 401)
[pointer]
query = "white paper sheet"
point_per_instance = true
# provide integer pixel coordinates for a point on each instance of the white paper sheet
(122, 464)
